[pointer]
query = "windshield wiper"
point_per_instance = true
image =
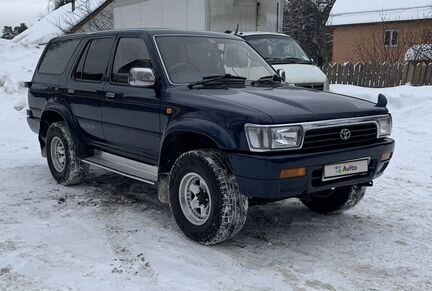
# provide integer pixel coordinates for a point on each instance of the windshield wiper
(275, 61)
(290, 60)
(226, 78)
(272, 79)
(298, 60)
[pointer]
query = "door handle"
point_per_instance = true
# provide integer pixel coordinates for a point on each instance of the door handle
(71, 91)
(110, 95)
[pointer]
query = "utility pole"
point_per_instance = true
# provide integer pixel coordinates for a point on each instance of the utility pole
(73, 5)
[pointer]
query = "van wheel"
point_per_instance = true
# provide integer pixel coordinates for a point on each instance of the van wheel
(334, 201)
(63, 163)
(205, 198)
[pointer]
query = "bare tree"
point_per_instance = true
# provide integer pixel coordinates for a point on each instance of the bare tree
(103, 20)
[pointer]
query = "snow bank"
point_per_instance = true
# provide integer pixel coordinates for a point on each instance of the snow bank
(17, 63)
(371, 11)
(401, 99)
(57, 22)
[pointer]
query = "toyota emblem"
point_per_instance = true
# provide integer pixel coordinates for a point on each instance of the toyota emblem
(345, 134)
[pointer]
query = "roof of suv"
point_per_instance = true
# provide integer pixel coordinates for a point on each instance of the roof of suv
(154, 32)
(257, 33)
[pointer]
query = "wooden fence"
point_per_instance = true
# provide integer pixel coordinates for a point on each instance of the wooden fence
(379, 75)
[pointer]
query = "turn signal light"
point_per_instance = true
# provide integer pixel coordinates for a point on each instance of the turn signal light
(386, 156)
(293, 173)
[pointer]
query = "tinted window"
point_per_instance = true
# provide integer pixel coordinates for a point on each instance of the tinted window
(131, 53)
(57, 56)
(94, 60)
(80, 68)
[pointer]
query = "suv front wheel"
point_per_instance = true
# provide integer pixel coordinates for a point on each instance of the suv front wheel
(205, 198)
(66, 168)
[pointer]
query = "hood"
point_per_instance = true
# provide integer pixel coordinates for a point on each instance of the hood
(293, 104)
(302, 73)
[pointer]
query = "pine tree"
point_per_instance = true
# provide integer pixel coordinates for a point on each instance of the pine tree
(60, 3)
(8, 32)
(305, 21)
(18, 29)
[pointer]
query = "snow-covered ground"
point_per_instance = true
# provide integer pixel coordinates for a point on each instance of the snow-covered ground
(112, 234)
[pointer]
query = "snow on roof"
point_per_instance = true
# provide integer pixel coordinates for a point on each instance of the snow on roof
(346, 12)
(57, 22)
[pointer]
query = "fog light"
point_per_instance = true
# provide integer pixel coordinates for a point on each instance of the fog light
(386, 157)
(293, 173)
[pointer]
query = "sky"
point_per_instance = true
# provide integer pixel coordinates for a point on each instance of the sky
(13, 12)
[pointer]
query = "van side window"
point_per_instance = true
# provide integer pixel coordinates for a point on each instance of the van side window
(58, 56)
(131, 53)
(94, 60)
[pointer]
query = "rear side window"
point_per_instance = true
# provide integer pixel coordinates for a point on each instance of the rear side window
(131, 53)
(58, 56)
(94, 60)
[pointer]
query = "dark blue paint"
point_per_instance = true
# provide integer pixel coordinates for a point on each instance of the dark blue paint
(134, 123)
(258, 175)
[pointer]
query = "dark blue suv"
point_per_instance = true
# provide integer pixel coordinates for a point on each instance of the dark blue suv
(205, 118)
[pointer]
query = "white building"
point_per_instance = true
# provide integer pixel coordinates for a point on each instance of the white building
(213, 15)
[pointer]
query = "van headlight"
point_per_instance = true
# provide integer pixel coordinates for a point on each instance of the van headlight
(264, 138)
(385, 125)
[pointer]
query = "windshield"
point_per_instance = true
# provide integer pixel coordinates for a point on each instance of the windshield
(278, 49)
(191, 58)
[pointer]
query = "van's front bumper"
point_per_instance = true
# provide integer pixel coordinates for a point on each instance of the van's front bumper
(258, 175)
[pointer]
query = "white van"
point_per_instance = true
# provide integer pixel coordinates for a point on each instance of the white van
(283, 52)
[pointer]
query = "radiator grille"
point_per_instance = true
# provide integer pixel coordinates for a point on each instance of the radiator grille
(325, 139)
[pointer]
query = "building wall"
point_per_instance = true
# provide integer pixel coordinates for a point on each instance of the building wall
(214, 15)
(179, 14)
(348, 41)
(251, 16)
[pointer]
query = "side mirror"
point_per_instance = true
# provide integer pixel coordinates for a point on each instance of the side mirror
(141, 77)
(281, 74)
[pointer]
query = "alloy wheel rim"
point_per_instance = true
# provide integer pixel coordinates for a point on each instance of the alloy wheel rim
(58, 154)
(195, 199)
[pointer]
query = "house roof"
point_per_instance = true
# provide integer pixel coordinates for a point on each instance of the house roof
(349, 12)
(59, 22)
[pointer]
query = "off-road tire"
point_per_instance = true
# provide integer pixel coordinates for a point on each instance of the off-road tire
(334, 201)
(229, 207)
(75, 170)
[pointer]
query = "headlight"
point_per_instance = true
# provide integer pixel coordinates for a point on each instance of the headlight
(286, 137)
(385, 126)
(268, 138)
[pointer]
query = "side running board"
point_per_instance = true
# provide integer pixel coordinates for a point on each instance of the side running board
(123, 166)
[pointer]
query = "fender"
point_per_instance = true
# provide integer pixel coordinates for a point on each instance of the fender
(64, 111)
(204, 127)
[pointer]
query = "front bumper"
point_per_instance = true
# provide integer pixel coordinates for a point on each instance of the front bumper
(258, 176)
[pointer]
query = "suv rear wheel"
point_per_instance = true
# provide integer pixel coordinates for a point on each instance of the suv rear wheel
(205, 198)
(63, 163)
(336, 200)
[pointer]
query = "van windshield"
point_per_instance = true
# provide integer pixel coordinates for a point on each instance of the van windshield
(279, 49)
(190, 59)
